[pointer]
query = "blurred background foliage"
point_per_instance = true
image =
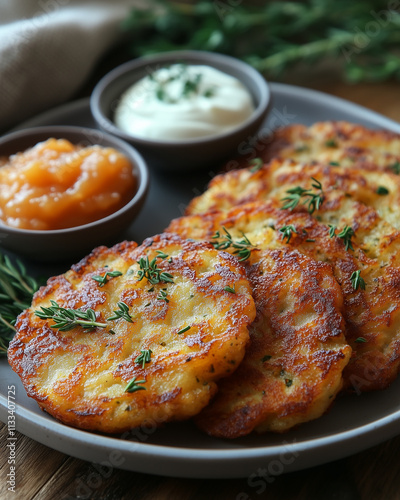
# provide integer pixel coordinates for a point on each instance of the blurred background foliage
(361, 38)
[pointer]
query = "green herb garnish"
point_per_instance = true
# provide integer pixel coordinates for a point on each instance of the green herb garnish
(287, 232)
(230, 289)
(67, 319)
(381, 190)
(395, 167)
(153, 273)
(184, 330)
(241, 247)
(357, 281)
(275, 37)
(121, 312)
(163, 296)
(256, 164)
(313, 200)
(144, 357)
(134, 386)
(102, 280)
(16, 292)
(360, 340)
(331, 143)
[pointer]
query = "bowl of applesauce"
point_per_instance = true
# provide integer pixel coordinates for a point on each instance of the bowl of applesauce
(65, 190)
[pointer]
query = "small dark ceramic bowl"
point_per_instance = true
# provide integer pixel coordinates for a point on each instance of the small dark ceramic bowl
(188, 154)
(75, 242)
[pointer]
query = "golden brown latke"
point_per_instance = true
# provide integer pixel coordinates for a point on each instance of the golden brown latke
(293, 366)
(341, 142)
(372, 315)
(195, 328)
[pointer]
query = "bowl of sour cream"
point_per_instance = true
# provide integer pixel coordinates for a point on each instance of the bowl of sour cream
(182, 110)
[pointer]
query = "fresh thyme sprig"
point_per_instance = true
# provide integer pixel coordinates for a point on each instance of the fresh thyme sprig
(153, 273)
(313, 200)
(345, 234)
(241, 247)
(357, 281)
(16, 292)
(275, 37)
(67, 319)
(287, 232)
(144, 357)
(102, 280)
(121, 312)
(134, 386)
(163, 296)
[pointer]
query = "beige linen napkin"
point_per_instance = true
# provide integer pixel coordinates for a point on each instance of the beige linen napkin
(48, 48)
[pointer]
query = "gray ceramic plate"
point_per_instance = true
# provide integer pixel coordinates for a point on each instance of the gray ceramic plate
(180, 450)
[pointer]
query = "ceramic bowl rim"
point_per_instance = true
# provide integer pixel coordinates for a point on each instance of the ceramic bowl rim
(214, 59)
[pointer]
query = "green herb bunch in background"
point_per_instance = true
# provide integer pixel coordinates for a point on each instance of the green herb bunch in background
(361, 36)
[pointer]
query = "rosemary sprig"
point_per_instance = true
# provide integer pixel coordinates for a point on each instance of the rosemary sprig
(313, 200)
(67, 319)
(241, 247)
(102, 280)
(153, 273)
(144, 357)
(287, 232)
(121, 312)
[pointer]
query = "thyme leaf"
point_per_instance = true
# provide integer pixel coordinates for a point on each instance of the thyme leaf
(153, 273)
(144, 357)
(102, 280)
(287, 232)
(241, 247)
(357, 281)
(313, 200)
(134, 386)
(121, 312)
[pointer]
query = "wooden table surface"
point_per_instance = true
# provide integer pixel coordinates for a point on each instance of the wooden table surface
(374, 474)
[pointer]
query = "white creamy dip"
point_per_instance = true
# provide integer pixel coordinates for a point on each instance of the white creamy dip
(183, 102)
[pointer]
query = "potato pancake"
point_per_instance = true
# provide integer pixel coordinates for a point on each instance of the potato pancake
(167, 327)
(372, 314)
(340, 142)
(293, 366)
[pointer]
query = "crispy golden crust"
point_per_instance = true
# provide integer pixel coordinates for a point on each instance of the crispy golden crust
(372, 315)
(331, 141)
(80, 376)
(293, 366)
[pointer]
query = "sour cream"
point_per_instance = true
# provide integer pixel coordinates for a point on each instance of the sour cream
(183, 102)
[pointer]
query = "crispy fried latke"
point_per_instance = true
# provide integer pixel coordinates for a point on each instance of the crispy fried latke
(181, 314)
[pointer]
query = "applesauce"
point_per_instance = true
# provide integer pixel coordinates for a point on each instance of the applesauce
(57, 184)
